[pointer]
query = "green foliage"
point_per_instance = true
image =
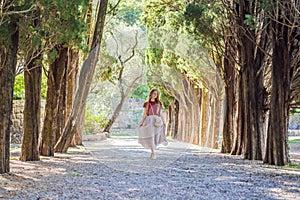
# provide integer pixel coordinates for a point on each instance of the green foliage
(51, 23)
(19, 87)
(141, 92)
(44, 87)
(293, 165)
(252, 22)
(129, 12)
(64, 19)
(204, 22)
(293, 111)
(93, 122)
(156, 12)
(294, 141)
(166, 98)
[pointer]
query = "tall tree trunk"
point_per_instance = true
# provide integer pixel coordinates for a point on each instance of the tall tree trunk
(211, 130)
(248, 96)
(176, 118)
(32, 116)
(55, 77)
(237, 148)
(218, 123)
(72, 71)
(276, 152)
(77, 139)
(253, 149)
(230, 104)
(261, 94)
(8, 62)
(205, 113)
(61, 106)
(169, 121)
(114, 115)
(86, 75)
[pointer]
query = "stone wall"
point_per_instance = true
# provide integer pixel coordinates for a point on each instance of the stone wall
(16, 129)
(130, 115)
(17, 121)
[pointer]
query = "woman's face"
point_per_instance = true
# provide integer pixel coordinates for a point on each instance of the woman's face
(154, 94)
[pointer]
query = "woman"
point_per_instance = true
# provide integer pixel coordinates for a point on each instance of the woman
(152, 128)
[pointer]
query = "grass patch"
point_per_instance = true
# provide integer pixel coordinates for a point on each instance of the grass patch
(294, 166)
(14, 157)
(123, 135)
(14, 146)
(291, 166)
(294, 141)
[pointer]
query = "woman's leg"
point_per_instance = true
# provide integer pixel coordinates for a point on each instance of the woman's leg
(153, 156)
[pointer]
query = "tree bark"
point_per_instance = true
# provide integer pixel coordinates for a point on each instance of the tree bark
(253, 149)
(61, 106)
(8, 62)
(114, 115)
(212, 124)
(169, 121)
(77, 139)
(71, 77)
(204, 116)
(230, 104)
(218, 124)
(249, 112)
(239, 140)
(176, 118)
(55, 77)
(32, 114)
(276, 152)
(86, 75)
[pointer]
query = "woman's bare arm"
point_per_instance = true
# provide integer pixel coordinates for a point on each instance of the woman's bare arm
(144, 116)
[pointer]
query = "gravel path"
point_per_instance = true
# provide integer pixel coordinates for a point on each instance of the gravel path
(120, 169)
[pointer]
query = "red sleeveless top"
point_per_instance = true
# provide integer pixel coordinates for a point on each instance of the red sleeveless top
(153, 109)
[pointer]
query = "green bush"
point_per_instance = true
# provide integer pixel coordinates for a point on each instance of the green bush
(93, 122)
(19, 87)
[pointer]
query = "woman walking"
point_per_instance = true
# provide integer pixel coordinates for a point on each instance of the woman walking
(152, 128)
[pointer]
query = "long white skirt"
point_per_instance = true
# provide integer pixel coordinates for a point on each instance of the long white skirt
(151, 136)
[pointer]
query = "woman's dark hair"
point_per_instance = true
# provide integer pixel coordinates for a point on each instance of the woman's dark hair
(157, 100)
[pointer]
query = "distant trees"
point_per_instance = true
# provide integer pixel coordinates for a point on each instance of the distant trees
(127, 52)
(236, 36)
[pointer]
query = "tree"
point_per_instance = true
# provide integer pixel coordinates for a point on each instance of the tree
(33, 84)
(9, 35)
(199, 82)
(131, 62)
(284, 29)
(70, 32)
(208, 23)
(85, 78)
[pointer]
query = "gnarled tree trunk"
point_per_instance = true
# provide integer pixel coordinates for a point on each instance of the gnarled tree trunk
(32, 117)
(55, 77)
(8, 62)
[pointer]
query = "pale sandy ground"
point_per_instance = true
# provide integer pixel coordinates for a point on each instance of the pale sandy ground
(119, 168)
